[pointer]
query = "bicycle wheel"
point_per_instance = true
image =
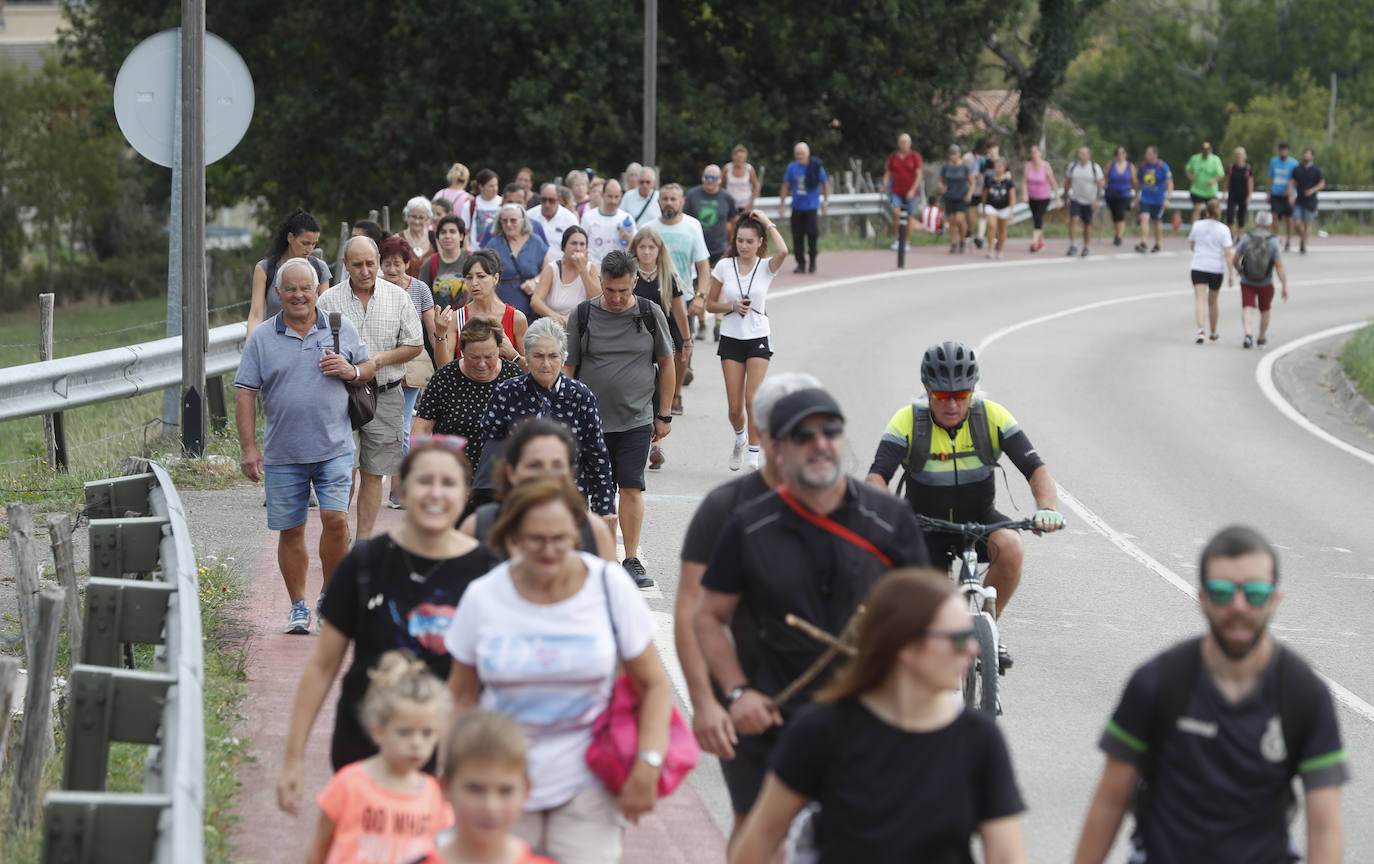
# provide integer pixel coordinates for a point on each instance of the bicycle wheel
(980, 682)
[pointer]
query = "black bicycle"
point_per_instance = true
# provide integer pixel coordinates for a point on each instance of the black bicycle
(980, 682)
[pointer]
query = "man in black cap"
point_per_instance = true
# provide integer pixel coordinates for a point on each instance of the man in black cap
(811, 548)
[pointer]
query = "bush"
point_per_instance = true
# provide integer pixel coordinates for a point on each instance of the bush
(1357, 359)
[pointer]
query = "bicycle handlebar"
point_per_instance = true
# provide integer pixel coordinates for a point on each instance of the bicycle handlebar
(972, 529)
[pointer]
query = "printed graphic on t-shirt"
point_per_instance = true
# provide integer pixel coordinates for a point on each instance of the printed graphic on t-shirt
(427, 624)
(709, 213)
(555, 671)
(450, 292)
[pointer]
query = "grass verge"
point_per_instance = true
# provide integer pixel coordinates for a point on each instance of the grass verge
(221, 589)
(1357, 359)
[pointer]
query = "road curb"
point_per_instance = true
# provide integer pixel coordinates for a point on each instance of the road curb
(1349, 395)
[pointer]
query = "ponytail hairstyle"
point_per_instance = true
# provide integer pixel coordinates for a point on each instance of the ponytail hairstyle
(397, 677)
(297, 223)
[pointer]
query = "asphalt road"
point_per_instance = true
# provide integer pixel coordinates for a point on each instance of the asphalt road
(1156, 442)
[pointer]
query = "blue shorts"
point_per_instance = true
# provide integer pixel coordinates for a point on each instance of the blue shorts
(1081, 211)
(1304, 214)
(1154, 211)
(288, 489)
(897, 202)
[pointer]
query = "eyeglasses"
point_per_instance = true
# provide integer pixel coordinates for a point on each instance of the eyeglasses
(951, 395)
(958, 638)
(709, 177)
(646, 182)
(510, 220)
(1221, 591)
(548, 200)
(831, 429)
(456, 443)
(538, 541)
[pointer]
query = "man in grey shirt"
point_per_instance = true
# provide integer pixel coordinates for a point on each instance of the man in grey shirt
(1257, 278)
(290, 359)
(625, 338)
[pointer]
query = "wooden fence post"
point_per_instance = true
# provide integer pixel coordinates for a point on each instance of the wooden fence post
(25, 569)
(338, 262)
(60, 536)
(35, 738)
(9, 692)
(54, 429)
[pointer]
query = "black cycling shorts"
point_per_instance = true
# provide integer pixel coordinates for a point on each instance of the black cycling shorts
(1119, 206)
(944, 548)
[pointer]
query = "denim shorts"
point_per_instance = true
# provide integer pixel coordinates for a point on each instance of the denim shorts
(1304, 214)
(897, 202)
(1154, 211)
(288, 489)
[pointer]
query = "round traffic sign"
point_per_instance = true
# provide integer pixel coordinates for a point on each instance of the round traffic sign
(145, 93)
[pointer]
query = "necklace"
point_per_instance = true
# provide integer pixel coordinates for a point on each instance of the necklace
(415, 575)
(648, 275)
(739, 282)
(419, 247)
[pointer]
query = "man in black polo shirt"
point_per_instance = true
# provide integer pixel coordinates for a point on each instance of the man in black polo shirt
(1218, 727)
(812, 547)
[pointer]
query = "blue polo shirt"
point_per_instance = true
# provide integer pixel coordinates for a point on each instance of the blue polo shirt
(306, 411)
(804, 196)
(1280, 172)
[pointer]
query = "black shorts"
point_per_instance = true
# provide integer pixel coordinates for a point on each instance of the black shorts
(1280, 205)
(1119, 206)
(741, 350)
(744, 774)
(1038, 206)
(1201, 199)
(1235, 207)
(629, 452)
(944, 548)
(955, 205)
(1211, 280)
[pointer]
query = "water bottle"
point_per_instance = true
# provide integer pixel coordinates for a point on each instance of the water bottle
(628, 225)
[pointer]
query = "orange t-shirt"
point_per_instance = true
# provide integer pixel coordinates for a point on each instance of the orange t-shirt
(525, 857)
(374, 825)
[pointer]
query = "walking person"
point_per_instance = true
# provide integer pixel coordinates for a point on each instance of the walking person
(295, 237)
(567, 281)
(979, 163)
(443, 271)
(1204, 170)
(483, 207)
(307, 441)
(1240, 188)
(1308, 180)
(1156, 186)
(716, 209)
(553, 217)
(806, 181)
(1281, 191)
(608, 226)
(739, 291)
(902, 183)
(884, 750)
(396, 258)
(1210, 734)
(522, 258)
(1258, 257)
(641, 200)
(456, 192)
(481, 273)
(1210, 241)
(999, 199)
(419, 213)
(658, 280)
(1122, 184)
(956, 188)
(539, 638)
(1083, 182)
(684, 238)
(1041, 192)
(397, 590)
(741, 180)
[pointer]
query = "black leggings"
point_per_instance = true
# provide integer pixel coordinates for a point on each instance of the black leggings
(1038, 207)
(805, 224)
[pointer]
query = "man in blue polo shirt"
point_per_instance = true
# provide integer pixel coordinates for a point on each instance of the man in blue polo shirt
(1281, 192)
(806, 180)
(1156, 185)
(308, 440)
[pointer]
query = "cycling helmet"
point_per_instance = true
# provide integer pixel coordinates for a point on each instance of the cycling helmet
(949, 366)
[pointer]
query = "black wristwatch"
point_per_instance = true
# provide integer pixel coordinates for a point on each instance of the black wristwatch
(665, 418)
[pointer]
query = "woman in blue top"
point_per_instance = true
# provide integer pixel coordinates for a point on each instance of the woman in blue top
(522, 257)
(1121, 188)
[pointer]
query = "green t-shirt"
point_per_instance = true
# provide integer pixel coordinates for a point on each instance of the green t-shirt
(1205, 169)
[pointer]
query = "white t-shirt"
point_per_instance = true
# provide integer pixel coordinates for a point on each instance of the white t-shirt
(633, 203)
(735, 286)
(1083, 182)
(1209, 237)
(554, 228)
(551, 666)
(686, 246)
(482, 217)
(603, 232)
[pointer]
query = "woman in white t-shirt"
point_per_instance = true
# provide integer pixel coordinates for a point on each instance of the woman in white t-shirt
(739, 290)
(483, 210)
(1210, 241)
(538, 638)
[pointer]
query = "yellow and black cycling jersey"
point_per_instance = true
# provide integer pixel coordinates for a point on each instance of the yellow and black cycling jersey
(953, 481)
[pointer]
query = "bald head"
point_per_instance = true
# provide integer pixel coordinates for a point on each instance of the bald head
(801, 152)
(710, 179)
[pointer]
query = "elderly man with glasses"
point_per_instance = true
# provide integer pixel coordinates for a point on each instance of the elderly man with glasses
(553, 218)
(641, 202)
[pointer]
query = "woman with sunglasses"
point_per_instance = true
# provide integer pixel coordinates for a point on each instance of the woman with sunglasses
(397, 590)
(481, 272)
(739, 291)
(539, 638)
(900, 772)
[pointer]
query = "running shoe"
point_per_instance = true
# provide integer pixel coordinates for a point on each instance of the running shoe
(1288, 247)
(1261, 342)
(812, 268)
(394, 503)
(1004, 659)
(1247, 342)
(953, 247)
(800, 268)
(1303, 249)
(963, 247)
(715, 332)
(1213, 337)
(636, 569)
(1034, 247)
(1116, 241)
(1142, 248)
(1201, 336)
(656, 457)
(737, 456)
(688, 376)
(701, 329)
(1084, 253)
(896, 244)
(1155, 249)
(319, 612)
(978, 241)
(298, 624)
(1073, 250)
(998, 256)
(676, 410)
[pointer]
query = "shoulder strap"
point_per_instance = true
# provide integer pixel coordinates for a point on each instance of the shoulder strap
(981, 433)
(1299, 693)
(1179, 668)
(825, 523)
(646, 314)
(919, 440)
(584, 317)
(615, 633)
(433, 268)
(646, 205)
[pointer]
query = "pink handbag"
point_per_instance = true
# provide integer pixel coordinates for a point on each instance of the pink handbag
(615, 734)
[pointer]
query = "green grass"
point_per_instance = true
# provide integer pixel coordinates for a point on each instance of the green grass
(1357, 358)
(221, 589)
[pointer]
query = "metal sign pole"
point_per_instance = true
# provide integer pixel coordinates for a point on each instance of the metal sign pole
(195, 312)
(650, 83)
(171, 397)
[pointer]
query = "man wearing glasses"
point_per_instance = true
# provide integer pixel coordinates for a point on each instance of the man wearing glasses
(641, 201)
(949, 446)
(1217, 727)
(553, 217)
(811, 548)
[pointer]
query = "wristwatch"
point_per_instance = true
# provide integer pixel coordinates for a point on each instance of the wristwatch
(440, 338)
(733, 696)
(666, 418)
(652, 757)
(357, 373)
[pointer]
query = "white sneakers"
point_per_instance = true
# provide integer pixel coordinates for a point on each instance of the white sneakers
(737, 456)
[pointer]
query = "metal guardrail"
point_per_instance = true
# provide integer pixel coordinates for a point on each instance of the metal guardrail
(162, 708)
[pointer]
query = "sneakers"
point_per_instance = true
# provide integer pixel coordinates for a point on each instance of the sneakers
(737, 456)
(1034, 247)
(953, 247)
(1116, 241)
(963, 247)
(1084, 253)
(1288, 247)
(1261, 342)
(1142, 248)
(1073, 250)
(1213, 337)
(1004, 659)
(1247, 342)
(636, 569)
(394, 503)
(715, 332)
(896, 244)
(298, 624)
(656, 458)
(676, 409)
(688, 377)
(1303, 249)
(1154, 249)
(1201, 337)
(319, 612)
(812, 268)
(701, 329)
(978, 241)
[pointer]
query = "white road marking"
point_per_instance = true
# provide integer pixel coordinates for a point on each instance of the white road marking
(1263, 374)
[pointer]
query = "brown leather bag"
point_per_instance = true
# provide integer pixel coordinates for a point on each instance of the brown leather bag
(362, 397)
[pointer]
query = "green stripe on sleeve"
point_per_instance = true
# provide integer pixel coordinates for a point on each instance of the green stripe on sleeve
(1316, 763)
(1128, 739)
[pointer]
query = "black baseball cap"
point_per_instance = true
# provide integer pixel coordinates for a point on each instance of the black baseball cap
(796, 407)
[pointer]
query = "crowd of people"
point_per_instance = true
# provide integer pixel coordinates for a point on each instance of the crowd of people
(514, 360)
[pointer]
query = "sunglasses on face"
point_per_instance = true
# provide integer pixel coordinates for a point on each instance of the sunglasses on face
(831, 429)
(456, 443)
(710, 177)
(951, 395)
(548, 200)
(958, 638)
(1221, 592)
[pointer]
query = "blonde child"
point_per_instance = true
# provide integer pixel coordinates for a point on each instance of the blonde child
(485, 780)
(385, 809)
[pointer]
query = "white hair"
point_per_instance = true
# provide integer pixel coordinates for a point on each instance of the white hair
(525, 228)
(1263, 219)
(294, 262)
(773, 388)
(547, 328)
(371, 242)
(419, 202)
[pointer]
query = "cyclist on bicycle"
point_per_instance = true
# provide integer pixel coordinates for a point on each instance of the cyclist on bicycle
(949, 445)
